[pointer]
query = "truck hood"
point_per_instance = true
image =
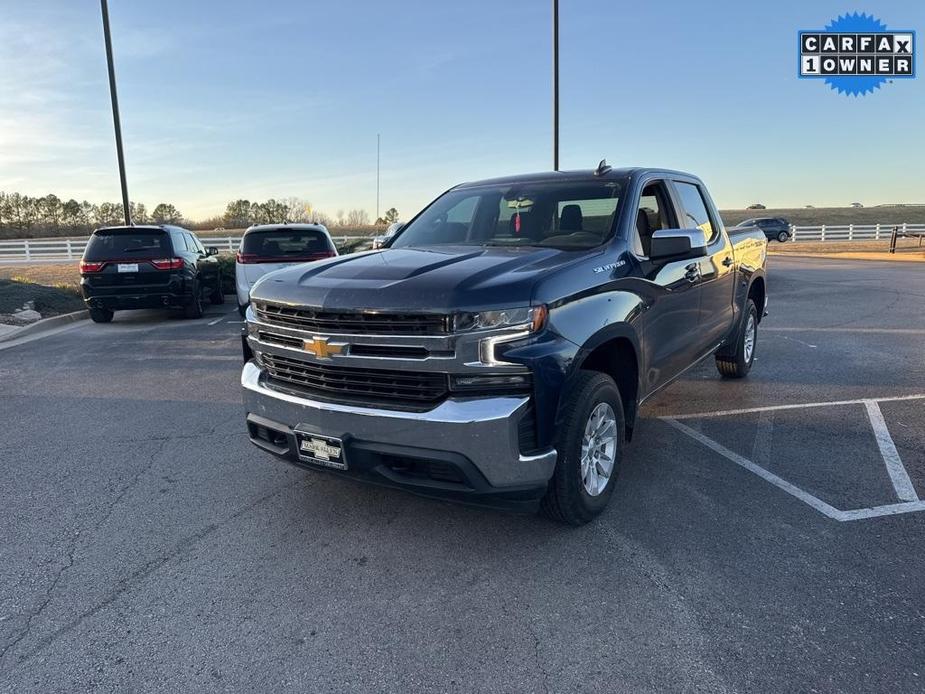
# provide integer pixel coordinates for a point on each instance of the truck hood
(437, 278)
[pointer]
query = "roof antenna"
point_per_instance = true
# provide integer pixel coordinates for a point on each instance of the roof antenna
(602, 168)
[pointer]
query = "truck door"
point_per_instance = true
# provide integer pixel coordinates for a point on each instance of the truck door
(673, 312)
(717, 268)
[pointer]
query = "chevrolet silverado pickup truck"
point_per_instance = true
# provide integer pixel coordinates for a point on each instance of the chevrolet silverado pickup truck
(498, 348)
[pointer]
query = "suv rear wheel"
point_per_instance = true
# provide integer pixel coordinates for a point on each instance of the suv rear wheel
(590, 446)
(101, 315)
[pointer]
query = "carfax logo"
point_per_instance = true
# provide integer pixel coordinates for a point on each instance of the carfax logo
(855, 54)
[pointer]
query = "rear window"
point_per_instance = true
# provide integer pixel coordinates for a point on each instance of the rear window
(114, 244)
(285, 244)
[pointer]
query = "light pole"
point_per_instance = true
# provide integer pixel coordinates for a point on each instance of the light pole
(377, 175)
(115, 111)
(555, 85)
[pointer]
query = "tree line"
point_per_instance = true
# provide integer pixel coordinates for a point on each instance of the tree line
(49, 215)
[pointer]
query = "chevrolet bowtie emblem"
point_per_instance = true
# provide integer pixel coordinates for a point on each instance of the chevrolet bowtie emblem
(321, 348)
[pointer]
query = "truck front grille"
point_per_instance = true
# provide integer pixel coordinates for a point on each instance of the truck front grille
(366, 385)
(352, 322)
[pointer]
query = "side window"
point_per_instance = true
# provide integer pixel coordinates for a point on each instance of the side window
(654, 212)
(193, 243)
(695, 209)
(179, 242)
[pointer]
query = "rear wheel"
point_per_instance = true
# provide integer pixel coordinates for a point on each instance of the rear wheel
(590, 446)
(783, 237)
(101, 315)
(736, 360)
(194, 308)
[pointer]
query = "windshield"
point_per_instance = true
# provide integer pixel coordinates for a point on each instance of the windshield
(286, 244)
(112, 244)
(555, 214)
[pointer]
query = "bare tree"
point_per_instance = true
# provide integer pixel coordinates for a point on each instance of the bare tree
(357, 218)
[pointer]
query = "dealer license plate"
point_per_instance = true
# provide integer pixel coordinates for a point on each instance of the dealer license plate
(127, 267)
(322, 450)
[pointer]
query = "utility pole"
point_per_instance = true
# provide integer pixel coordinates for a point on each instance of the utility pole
(555, 85)
(115, 111)
(377, 175)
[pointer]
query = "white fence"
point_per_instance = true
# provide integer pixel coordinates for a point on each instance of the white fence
(853, 232)
(26, 251)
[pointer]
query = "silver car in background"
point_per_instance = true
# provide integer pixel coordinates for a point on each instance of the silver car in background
(268, 247)
(379, 241)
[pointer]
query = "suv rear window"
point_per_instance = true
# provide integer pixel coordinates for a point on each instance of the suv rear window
(114, 244)
(286, 244)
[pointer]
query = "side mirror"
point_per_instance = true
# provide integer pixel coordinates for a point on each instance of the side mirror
(678, 244)
(211, 250)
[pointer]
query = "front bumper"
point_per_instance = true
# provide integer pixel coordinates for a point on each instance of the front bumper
(472, 443)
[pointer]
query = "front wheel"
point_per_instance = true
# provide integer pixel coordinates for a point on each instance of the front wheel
(194, 308)
(736, 360)
(218, 296)
(783, 237)
(590, 446)
(101, 315)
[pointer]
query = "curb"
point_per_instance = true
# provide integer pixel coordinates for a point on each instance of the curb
(45, 324)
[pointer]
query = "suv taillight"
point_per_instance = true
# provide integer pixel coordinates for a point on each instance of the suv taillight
(167, 263)
(87, 266)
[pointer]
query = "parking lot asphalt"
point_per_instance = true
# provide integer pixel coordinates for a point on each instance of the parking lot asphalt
(147, 546)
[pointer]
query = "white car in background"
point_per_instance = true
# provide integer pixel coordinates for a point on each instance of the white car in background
(393, 229)
(268, 247)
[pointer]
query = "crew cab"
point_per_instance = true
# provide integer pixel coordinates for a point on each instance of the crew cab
(498, 349)
(148, 266)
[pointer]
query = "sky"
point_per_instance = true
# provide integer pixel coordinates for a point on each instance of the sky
(226, 99)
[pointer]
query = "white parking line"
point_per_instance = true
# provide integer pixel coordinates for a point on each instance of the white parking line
(905, 490)
(884, 331)
(778, 482)
(217, 320)
(804, 405)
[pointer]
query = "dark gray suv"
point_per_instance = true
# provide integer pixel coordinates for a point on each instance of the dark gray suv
(773, 227)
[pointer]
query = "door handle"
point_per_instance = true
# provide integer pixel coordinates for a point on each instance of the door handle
(727, 261)
(693, 272)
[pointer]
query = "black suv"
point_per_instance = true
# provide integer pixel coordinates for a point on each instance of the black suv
(773, 227)
(148, 267)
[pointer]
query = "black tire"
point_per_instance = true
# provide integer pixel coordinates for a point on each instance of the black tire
(735, 361)
(101, 315)
(242, 310)
(567, 500)
(218, 296)
(783, 237)
(194, 308)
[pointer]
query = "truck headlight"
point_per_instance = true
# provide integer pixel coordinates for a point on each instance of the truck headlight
(529, 318)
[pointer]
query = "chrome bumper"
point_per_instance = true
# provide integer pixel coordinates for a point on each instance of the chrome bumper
(483, 430)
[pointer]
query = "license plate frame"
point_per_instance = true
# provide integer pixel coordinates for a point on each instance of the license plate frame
(318, 449)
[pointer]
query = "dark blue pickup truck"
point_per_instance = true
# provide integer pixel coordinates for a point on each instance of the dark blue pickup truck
(498, 349)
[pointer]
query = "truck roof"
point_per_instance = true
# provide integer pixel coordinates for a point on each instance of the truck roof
(576, 175)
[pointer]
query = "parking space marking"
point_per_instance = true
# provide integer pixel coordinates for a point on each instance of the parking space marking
(905, 491)
(217, 320)
(800, 406)
(902, 484)
(779, 482)
(884, 331)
